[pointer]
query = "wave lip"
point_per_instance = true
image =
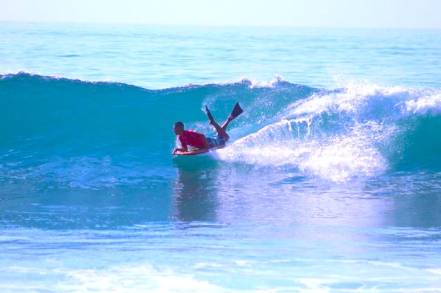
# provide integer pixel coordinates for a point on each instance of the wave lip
(426, 104)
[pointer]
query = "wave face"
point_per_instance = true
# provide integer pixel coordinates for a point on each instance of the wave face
(64, 129)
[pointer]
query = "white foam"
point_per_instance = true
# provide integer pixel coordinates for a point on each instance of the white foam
(349, 99)
(336, 158)
(345, 148)
(435, 271)
(345, 157)
(138, 278)
(425, 104)
(266, 84)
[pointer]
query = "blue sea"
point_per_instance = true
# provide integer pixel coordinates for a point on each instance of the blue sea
(331, 181)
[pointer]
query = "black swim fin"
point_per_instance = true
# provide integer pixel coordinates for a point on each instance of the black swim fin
(237, 110)
(210, 116)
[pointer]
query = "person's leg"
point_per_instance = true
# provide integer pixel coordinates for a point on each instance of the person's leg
(222, 130)
(219, 129)
(226, 122)
(237, 110)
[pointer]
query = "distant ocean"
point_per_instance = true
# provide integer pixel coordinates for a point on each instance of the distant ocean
(331, 181)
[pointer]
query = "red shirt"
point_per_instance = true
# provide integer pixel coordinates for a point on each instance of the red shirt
(192, 138)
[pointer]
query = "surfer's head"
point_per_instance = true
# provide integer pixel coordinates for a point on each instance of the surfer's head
(178, 127)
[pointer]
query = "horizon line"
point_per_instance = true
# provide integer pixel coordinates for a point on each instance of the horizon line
(200, 25)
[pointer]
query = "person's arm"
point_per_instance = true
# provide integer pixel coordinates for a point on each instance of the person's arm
(183, 148)
(179, 150)
(193, 152)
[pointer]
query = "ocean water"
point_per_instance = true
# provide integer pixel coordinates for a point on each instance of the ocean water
(331, 181)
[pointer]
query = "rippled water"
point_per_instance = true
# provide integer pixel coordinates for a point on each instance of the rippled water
(331, 181)
(159, 57)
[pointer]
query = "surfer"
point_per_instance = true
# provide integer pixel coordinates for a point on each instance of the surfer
(198, 140)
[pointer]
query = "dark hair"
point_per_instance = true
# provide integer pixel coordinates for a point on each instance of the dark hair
(179, 124)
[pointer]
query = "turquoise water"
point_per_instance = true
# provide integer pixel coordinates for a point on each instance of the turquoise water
(331, 182)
